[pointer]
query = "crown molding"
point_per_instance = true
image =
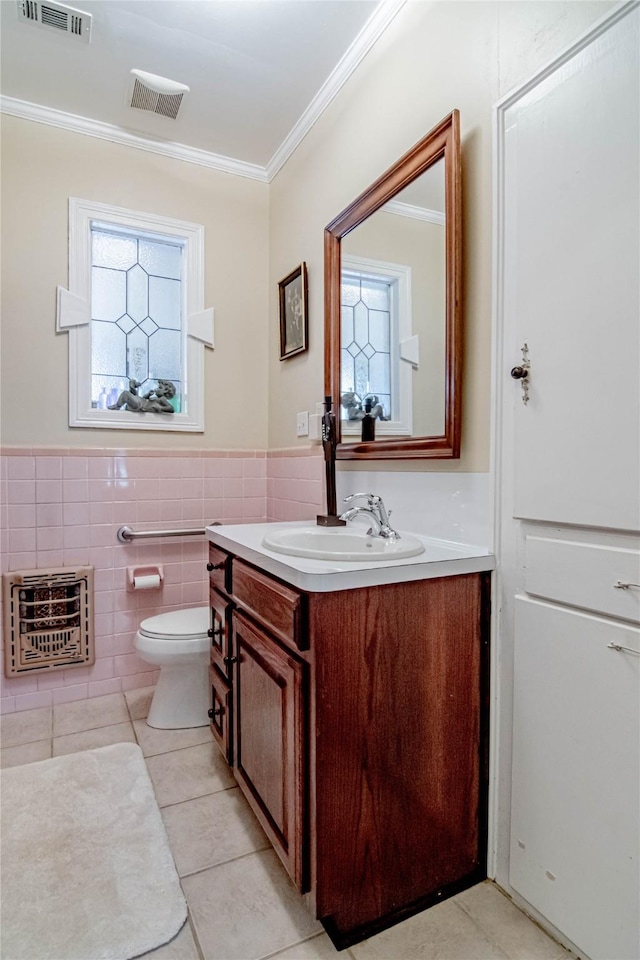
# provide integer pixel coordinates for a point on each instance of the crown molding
(107, 131)
(368, 36)
(415, 213)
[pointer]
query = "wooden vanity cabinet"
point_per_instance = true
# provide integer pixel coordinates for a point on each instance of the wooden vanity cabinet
(399, 702)
(359, 734)
(258, 701)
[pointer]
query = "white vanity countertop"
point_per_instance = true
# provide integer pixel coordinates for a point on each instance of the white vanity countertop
(441, 558)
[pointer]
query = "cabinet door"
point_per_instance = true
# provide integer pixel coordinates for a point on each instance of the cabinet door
(576, 775)
(221, 646)
(269, 756)
(221, 714)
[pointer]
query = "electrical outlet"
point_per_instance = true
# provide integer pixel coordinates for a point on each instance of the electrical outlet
(302, 424)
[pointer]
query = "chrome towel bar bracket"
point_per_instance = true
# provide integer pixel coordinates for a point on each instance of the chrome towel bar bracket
(622, 649)
(127, 535)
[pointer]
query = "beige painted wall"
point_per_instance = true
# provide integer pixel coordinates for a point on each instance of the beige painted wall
(43, 166)
(433, 57)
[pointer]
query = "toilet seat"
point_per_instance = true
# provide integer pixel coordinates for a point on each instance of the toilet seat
(177, 625)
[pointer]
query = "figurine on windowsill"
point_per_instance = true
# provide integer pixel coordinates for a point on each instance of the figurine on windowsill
(355, 410)
(352, 405)
(155, 401)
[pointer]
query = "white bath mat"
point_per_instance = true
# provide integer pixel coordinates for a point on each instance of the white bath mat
(86, 869)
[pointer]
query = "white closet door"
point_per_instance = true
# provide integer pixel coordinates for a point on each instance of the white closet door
(568, 217)
(571, 287)
(576, 775)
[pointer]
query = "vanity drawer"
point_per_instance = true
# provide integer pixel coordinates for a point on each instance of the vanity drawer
(220, 632)
(219, 567)
(584, 575)
(278, 607)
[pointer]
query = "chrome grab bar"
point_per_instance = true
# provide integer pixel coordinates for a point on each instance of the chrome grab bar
(127, 535)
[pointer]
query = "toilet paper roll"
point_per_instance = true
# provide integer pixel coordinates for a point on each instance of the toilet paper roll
(150, 582)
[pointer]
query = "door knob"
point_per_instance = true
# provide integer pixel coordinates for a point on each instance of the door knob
(521, 372)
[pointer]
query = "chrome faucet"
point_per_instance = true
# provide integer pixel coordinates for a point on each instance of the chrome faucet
(376, 512)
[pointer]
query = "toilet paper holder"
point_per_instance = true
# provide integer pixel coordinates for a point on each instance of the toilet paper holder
(147, 577)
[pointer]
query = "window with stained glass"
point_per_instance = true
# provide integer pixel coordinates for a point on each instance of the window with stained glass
(136, 320)
(136, 314)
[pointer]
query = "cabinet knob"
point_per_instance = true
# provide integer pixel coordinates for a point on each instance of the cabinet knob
(215, 566)
(214, 631)
(215, 713)
(229, 659)
(519, 373)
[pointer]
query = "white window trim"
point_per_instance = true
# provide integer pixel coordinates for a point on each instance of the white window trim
(74, 318)
(401, 326)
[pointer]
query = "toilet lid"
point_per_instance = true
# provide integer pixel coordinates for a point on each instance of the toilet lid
(178, 624)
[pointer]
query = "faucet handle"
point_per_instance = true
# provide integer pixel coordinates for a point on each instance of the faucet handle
(371, 497)
(384, 514)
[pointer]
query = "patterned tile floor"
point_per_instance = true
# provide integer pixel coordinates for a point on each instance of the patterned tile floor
(241, 903)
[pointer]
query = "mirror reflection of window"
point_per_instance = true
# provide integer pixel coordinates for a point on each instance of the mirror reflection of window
(403, 243)
(401, 248)
(367, 323)
(375, 320)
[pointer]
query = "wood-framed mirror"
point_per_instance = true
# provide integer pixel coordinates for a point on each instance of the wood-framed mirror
(393, 313)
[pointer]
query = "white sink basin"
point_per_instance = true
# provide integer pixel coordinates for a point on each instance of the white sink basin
(340, 543)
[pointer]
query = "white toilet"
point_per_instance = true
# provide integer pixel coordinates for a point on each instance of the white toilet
(178, 643)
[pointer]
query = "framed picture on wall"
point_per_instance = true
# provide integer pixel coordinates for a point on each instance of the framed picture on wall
(294, 324)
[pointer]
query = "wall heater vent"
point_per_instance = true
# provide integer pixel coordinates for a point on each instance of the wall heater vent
(48, 620)
(56, 16)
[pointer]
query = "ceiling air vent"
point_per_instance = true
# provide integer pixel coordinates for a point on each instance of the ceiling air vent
(157, 94)
(56, 16)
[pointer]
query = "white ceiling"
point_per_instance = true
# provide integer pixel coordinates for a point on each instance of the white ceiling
(259, 71)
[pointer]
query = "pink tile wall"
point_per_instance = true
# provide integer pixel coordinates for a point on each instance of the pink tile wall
(63, 507)
(295, 484)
